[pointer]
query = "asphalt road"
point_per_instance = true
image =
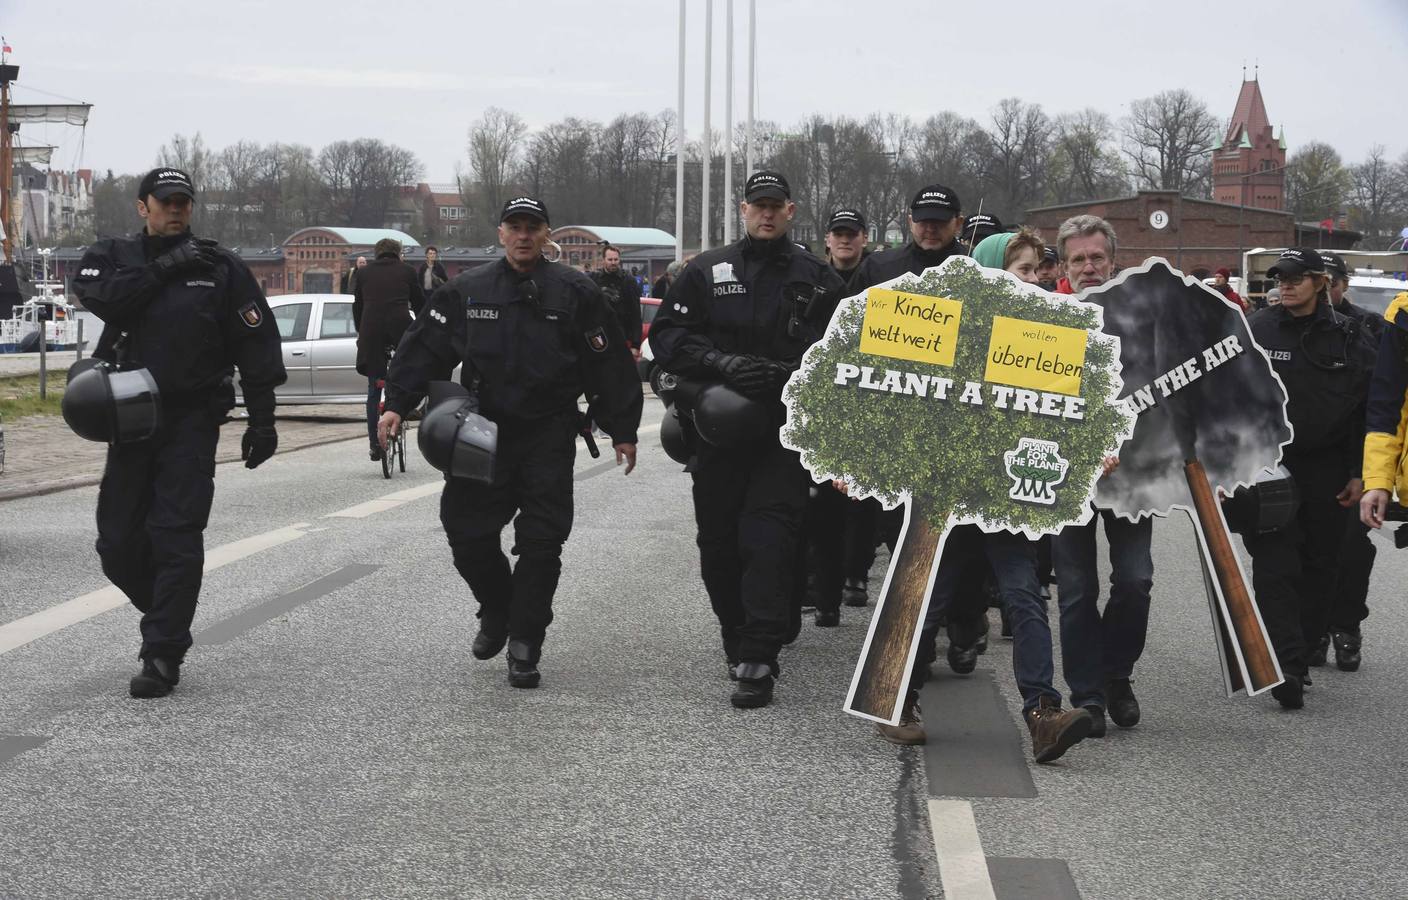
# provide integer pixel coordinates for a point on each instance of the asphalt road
(332, 735)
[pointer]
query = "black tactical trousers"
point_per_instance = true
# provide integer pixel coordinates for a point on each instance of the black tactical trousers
(1356, 563)
(840, 539)
(153, 506)
(1294, 569)
(750, 506)
(532, 481)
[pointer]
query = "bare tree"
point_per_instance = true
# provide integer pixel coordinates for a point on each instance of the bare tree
(1085, 164)
(190, 155)
(1378, 196)
(1317, 182)
(1012, 158)
(495, 142)
(359, 177)
(1169, 139)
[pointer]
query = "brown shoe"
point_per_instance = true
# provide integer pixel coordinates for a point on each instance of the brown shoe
(909, 732)
(1054, 730)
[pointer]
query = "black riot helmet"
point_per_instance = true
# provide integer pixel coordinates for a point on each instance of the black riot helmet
(454, 438)
(677, 436)
(104, 404)
(726, 418)
(1268, 505)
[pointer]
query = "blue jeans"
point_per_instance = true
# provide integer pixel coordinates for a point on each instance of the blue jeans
(373, 401)
(1013, 559)
(1097, 647)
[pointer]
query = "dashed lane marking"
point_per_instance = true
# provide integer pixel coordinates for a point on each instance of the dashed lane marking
(95, 603)
(963, 869)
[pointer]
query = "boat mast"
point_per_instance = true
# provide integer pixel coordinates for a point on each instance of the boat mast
(8, 73)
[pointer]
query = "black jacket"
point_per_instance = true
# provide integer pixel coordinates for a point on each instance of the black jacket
(622, 294)
(191, 330)
(437, 278)
(537, 341)
(1372, 322)
(387, 290)
(766, 298)
(883, 265)
(1325, 361)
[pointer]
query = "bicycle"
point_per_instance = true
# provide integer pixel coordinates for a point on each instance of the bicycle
(394, 454)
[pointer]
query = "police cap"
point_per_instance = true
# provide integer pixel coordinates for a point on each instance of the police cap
(164, 182)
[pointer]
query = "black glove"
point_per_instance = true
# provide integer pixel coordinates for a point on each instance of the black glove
(751, 376)
(260, 442)
(192, 254)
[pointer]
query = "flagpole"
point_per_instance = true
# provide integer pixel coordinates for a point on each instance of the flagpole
(752, 80)
(679, 151)
(729, 216)
(705, 201)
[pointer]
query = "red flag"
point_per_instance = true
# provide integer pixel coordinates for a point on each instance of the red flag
(1328, 225)
(5, 46)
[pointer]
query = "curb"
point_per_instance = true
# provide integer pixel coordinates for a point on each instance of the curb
(78, 481)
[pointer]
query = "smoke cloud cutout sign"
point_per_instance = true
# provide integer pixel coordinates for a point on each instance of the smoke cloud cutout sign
(1211, 416)
(902, 400)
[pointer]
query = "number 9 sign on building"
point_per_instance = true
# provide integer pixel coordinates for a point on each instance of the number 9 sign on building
(967, 396)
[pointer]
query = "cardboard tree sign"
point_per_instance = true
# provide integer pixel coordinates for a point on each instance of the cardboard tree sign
(1211, 416)
(969, 397)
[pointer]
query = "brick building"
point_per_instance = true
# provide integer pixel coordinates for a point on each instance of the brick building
(316, 258)
(644, 251)
(1195, 236)
(1249, 169)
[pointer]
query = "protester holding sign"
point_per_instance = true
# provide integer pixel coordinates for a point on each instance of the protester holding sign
(738, 321)
(1099, 649)
(1325, 361)
(1013, 559)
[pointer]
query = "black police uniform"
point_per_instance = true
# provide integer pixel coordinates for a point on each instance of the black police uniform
(1357, 553)
(966, 616)
(531, 344)
(772, 300)
(1325, 361)
(191, 326)
(622, 294)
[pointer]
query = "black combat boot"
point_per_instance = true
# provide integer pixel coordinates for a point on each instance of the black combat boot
(490, 640)
(157, 678)
(755, 682)
(523, 664)
(1121, 702)
(856, 592)
(827, 617)
(1319, 652)
(1291, 692)
(1347, 645)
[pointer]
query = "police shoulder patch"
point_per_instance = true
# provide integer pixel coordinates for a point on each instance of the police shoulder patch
(596, 339)
(250, 314)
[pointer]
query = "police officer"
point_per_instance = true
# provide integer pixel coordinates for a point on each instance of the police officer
(743, 315)
(980, 227)
(1357, 553)
(190, 312)
(622, 293)
(845, 242)
(533, 336)
(935, 220)
(1325, 361)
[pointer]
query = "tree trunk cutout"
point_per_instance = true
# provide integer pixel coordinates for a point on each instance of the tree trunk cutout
(878, 686)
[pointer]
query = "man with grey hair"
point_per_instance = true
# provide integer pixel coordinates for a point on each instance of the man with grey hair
(1099, 650)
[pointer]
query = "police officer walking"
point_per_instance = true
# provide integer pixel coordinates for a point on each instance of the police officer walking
(533, 336)
(743, 315)
(1325, 361)
(189, 312)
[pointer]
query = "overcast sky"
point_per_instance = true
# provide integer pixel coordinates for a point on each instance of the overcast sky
(417, 74)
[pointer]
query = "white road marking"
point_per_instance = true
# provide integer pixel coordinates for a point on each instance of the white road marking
(963, 869)
(94, 603)
(390, 501)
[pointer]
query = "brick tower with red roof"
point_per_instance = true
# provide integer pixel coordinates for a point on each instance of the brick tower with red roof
(1249, 169)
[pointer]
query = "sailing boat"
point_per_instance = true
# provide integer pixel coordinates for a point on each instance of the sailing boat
(48, 309)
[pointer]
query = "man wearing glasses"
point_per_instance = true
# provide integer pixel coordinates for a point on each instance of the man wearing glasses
(1099, 649)
(533, 336)
(1325, 360)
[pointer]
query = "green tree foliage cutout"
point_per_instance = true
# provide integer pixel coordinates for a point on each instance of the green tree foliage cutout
(945, 458)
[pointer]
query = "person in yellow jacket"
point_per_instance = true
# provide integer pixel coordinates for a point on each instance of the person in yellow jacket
(1386, 419)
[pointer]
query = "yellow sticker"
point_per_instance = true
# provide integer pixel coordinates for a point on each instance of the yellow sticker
(1036, 355)
(910, 326)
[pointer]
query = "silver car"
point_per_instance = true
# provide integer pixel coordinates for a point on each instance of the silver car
(320, 349)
